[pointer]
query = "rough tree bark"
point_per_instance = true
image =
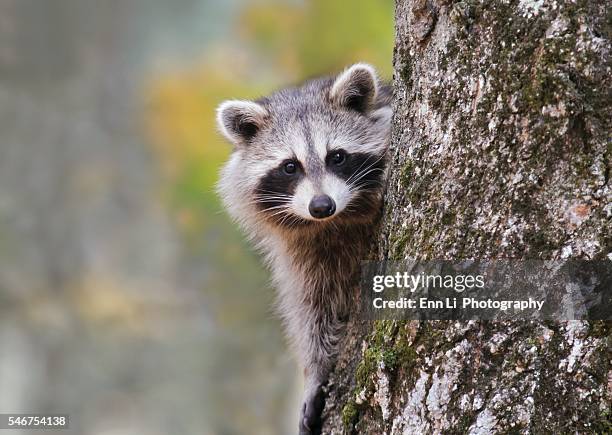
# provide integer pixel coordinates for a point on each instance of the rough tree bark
(500, 149)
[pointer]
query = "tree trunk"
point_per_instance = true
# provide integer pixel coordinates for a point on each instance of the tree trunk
(500, 149)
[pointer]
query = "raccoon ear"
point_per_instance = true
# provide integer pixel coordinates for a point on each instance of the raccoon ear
(356, 87)
(240, 121)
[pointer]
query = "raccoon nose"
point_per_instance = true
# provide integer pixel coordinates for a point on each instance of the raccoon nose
(322, 206)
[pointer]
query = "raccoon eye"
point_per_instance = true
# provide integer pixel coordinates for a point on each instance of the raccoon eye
(290, 168)
(338, 158)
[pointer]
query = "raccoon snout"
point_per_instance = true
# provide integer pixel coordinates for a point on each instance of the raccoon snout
(321, 206)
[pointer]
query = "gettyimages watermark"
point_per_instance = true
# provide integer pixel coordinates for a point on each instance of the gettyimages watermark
(487, 290)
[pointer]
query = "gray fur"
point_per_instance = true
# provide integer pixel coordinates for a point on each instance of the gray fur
(314, 263)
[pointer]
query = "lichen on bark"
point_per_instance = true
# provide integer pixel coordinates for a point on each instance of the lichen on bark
(500, 149)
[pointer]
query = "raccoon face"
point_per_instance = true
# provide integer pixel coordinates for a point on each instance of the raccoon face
(308, 155)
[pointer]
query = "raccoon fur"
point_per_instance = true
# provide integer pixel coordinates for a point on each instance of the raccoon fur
(305, 181)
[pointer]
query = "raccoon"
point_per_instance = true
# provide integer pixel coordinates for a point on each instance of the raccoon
(305, 181)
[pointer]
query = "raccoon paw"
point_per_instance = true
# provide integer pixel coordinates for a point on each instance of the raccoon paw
(310, 418)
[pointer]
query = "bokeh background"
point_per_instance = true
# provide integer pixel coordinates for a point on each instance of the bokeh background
(127, 298)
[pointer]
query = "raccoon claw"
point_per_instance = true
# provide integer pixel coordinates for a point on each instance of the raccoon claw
(310, 419)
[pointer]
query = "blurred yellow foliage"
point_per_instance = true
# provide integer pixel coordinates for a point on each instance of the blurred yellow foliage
(182, 124)
(321, 36)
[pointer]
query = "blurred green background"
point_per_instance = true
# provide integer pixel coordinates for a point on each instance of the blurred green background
(127, 298)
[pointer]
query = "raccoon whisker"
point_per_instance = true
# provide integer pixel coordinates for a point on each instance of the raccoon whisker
(287, 218)
(356, 174)
(366, 185)
(282, 208)
(289, 223)
(272, 196)
(358, 169)
(263, 192)
(359, 187)
(271, 200)
(282, 220)
(360, 174)
(281, 211)
(293, 221)
(372, 163)
(270, 191)
(364, 175)
(267, 200)
(366, 171)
